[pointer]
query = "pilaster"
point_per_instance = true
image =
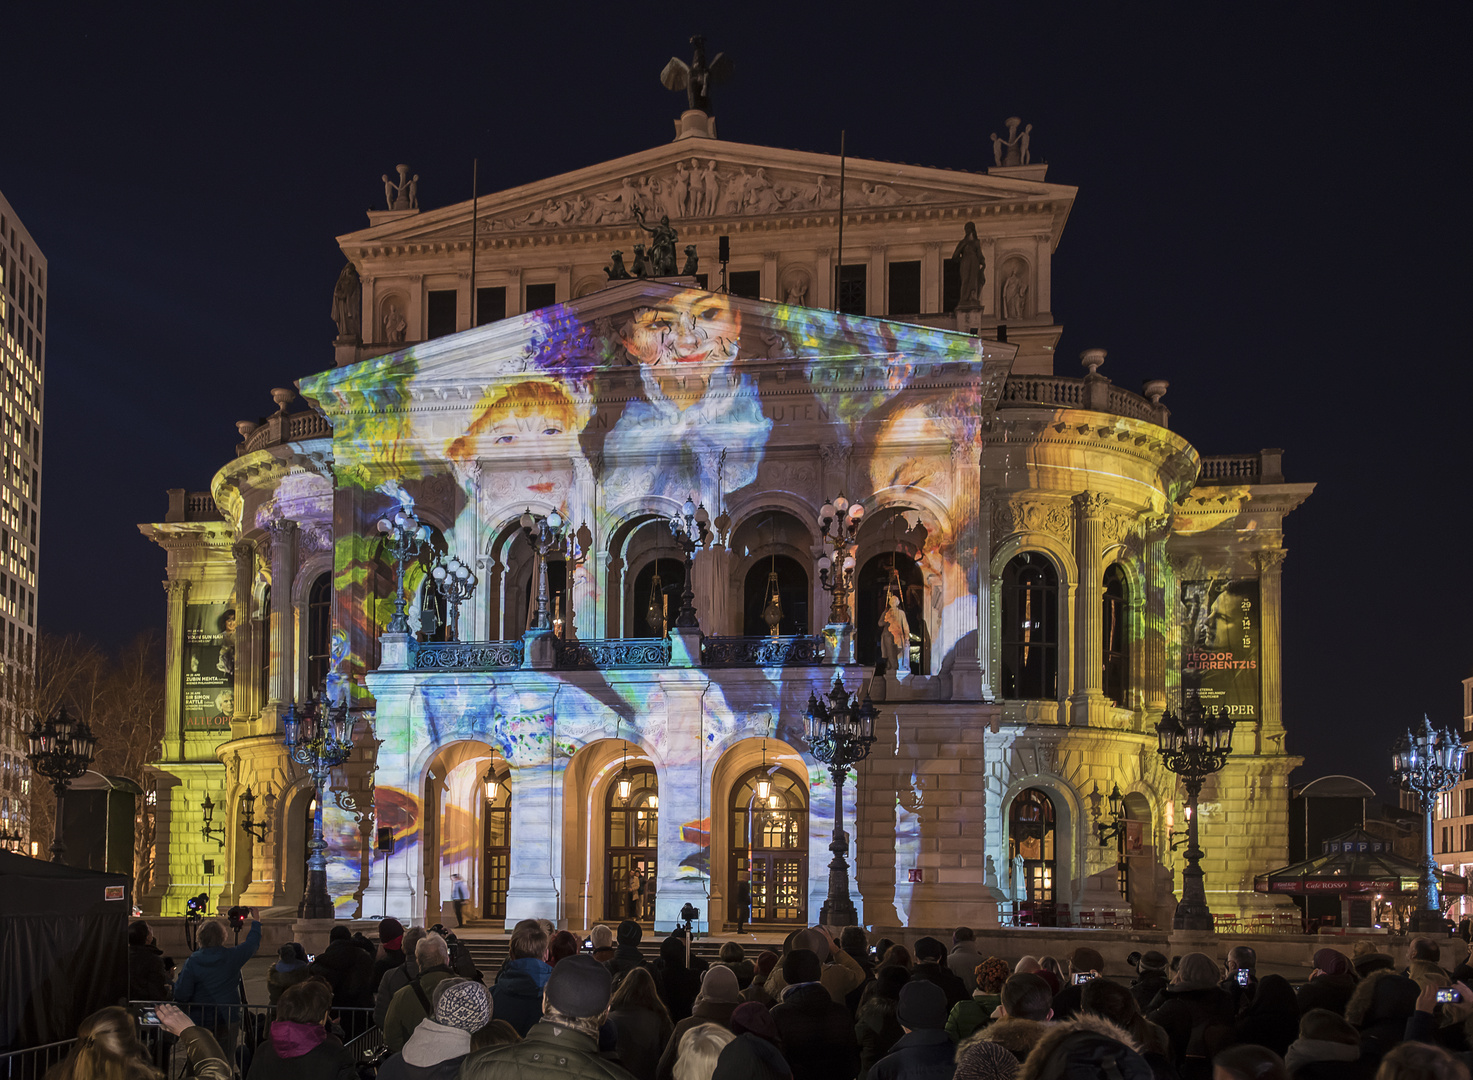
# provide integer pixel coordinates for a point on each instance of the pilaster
(1270, 652)
(177, 591)
(1087, 705)
(245, 668)
(283, 533)
(961, 610)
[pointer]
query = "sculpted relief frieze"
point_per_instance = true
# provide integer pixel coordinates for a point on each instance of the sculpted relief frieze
(700, 188)
(1023, 515)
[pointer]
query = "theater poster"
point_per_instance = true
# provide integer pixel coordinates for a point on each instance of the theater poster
(1220, 646)
(209, 667)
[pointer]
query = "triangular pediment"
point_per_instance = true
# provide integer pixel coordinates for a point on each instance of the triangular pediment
(671, 355)
(705, 180)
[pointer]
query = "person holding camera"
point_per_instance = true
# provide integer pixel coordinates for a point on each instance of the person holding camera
(1084, 964)
(107, 1045)
(147, 980)
(211, 975)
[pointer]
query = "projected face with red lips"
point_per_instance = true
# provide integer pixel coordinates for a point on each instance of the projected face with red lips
(694, 327)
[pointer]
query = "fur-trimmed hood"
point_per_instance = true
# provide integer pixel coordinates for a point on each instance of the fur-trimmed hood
(1382, 995)
(1038, 1063)
(1013, 1033)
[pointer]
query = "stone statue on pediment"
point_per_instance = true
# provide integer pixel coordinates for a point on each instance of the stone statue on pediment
(618, 271)
(1014, 149)
(347, 304)
(692, 262)
(405, 194)
(696, 77)
(662, 245)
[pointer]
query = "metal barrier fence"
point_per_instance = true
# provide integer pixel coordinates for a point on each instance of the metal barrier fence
(239, 1029)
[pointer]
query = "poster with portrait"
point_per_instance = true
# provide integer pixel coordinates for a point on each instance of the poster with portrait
(208, 693)
(1220, 641)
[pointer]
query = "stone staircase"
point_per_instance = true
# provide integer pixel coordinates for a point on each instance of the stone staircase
(490, 953)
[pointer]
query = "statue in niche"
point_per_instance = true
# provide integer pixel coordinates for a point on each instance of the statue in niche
(795, 288)
(662, 245)
(405, 194)
(395, 325)
(1020, 879)
(347, 304)
(1014, 149)
(970, 264)
(618, 271)
(696, 77)
(692, 262)
(895, 637)
(1015, 294)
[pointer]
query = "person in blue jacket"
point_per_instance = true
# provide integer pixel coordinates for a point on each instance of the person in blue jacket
(211, 975)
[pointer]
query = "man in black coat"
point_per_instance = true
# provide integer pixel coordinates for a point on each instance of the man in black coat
(1151, 978)
(925, 1051)
(1083, 961)
(817, 1032)
(146, 978)
(627, 956)
(347, 969)
(931, 967)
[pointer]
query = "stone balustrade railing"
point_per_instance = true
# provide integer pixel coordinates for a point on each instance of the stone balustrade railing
(1264, 467)
(614, 653)
(1090, 392)
(191, 506)
(281, 428)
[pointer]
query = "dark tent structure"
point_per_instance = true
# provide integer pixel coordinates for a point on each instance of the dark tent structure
(1353, 863)
(63, 948)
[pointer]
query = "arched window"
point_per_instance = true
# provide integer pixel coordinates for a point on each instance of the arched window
(1030, 628)
(319, 633)
(769, 845)
(785, 578)
(263, 648)
(633, 835)
(886, 573)
(1031, 839)
(1115, 641)
(654, 601)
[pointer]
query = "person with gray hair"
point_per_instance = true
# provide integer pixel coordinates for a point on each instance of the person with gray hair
(396, 979)
(601, 938)
(211, 975)
(411, 1005)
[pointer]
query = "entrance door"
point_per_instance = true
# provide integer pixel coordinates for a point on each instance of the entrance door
(769, 832)
(497, 860)
(633, 837)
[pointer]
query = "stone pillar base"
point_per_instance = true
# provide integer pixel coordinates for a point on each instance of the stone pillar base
(540, 652)
(685, 647)
(695, 124)
(393, 652)
(838, 640)
(1088, 708)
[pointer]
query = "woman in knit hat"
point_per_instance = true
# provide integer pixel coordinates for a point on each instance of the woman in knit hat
(714, 1004)
(967, 1016)
(438, 1046)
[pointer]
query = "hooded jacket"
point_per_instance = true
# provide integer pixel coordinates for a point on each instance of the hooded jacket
(549, 1052)
(1326, 992)
(1380, 1007)
(406, 1011)
(295, 1051)
(283, 974)
(1014, 1033)
(627, 956)
(971, 1015)
(387, 961)
(349, 971)
(517, 995)
(1326, 1059)
(211, 976)
(1087, 1045)
(678, 985)
(433, 1052)
(877, 1029)
(1198, 1021)
(147, 980)
(704, 1011)
(817, 1034)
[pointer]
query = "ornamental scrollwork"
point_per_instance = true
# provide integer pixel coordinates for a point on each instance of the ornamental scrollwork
(1016, 515)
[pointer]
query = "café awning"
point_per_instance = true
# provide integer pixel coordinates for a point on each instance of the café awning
(1353, 863)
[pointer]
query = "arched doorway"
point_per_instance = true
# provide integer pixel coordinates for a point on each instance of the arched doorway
(654, 599)
(1031, 853)
(1140, 870)
(885, 573)
(784, 577)
(632, 841)
(496, 839)
(769, 845)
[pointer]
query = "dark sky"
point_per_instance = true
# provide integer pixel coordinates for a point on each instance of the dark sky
(1271, 216)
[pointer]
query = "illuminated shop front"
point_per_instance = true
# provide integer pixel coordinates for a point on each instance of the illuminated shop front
(1041, 565)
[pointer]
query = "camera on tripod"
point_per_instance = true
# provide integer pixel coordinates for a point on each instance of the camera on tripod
(690, 913)
(195, 907)
(237, 916)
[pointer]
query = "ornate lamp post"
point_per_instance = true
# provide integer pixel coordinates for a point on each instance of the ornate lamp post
(1116, 828)
(319, 735)
(248, 822)
(1194, 747)
(209, 830)
(840, 733)
(455, 581)
(546, 535)
(839, 522)
(1427, 764)
(404, 535)
(690, 528)
(61, 750)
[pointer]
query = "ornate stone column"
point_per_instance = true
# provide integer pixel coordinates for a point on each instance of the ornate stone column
(1270, 650)
(709, 567)
(960, 621)
(283, 571)
(245, 667)
(1087, 704)
(1158, 606)
(177, 591)
(985, 597)
(582, 621)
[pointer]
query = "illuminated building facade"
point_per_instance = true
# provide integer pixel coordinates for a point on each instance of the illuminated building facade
(1064, 563)
(1452, 832)
(22, 348)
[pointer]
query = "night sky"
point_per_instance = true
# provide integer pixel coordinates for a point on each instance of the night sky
(1271, 216)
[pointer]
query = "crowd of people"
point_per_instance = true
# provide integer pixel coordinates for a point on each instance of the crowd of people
(818, 1008)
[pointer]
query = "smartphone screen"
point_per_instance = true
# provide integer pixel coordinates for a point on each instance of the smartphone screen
(1243, 974)
(148, 1015)
(1081, 977)
(1451, 996)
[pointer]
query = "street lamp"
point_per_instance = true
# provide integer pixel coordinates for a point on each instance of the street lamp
(248, 821)
(209, 830)
(1116, 827)
(1194, 746)
(404, 535)
(1427, 764)
(840, 733)
(319, 735)
(455, 581)
(839, 522)
(690, 528)
(546, 535)
(61, 750)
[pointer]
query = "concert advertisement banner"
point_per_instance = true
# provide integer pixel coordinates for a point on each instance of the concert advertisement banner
(209, 667)
(1219, 656)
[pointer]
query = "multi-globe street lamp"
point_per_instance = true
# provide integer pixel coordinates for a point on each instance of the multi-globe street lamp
(690, 528)
(839, 523)
(455, 581)
(546, 535)
(1194, 746)
(319, 736)
(404, 536)
(61, 748)
(1427, 764)
(841, 731)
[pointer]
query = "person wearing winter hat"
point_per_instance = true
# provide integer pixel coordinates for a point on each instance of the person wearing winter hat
(347, 969)
(756, 990)
(288, 970)
(396, 979)
(412, 1005)
(976, 1012)
(1380, 1008)
(748, 1057)
(839, 972)
(1328, 1048)
(1151, 978)
(439, 1045)
(627, 955)
(753, 1017)
(978, 1059)
(564, 1043)
(390, 950)
(1195, 1012)
(1082, 961)
(1330, 983)
(817, 1032)
(925, 1050)
(1087, 1045)
(717, 1000)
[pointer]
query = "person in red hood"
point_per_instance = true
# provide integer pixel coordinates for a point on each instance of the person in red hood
(298, 1046)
